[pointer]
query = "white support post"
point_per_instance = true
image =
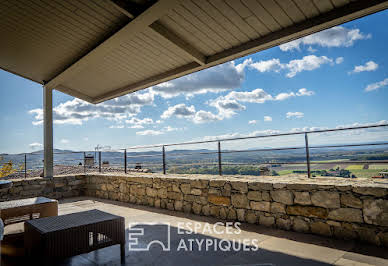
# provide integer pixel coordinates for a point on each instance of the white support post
(48, 131)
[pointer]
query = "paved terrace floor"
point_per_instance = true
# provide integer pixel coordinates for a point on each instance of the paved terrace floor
(275, 247)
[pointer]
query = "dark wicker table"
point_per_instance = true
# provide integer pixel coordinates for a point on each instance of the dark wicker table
(74, 234)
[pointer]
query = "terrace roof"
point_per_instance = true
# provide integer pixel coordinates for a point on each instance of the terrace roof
(100, 49)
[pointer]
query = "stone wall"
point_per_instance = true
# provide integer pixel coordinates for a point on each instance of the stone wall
(338, 208)
(55, 188)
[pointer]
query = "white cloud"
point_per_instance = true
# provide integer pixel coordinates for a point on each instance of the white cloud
(309, 62)
(369, 66)
(261, 96)
(252, 122)
(226, 107)
(116, 126)
(35, 145)
(76, 111)
(150, 132)
(179, 110)
(138, 123)
(205, 117)
(377, 85)
(304, 92)
(335, 37)
(268, 65)
(219, 78)
(267, 118)
(64, 141)
(86, 139)
(136, 126)
(170, 129)
(158, 132)
(339, 60)
(295, 114)
(311, 49)
(229, 104)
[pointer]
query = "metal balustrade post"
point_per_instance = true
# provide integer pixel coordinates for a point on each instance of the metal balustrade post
(99, 161)
(125, 161)
(25, 165)
(307, 155)
(164, 160)
(219, 159)
(84, 162)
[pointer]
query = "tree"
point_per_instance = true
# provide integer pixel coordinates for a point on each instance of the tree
(8, 168)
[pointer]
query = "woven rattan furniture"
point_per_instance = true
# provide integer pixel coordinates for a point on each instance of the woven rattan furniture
(73, 234)
(15, 210)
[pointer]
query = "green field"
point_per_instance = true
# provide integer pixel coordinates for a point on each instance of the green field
(355, 167)
(365, 173)
(378, 166)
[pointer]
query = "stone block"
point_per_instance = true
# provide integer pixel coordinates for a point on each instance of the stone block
(300, 225)
(326, 199)
(239, 200)
(251, 217)
(217, 183)
(321, 228)
(240, 186)
(346, 215)
(219, 200)
(151, 192)
(174, 195)
(196, 191)
(277, 207)
(241, 215)
(206, 210)
(199, 183)
(375, 211)
(283, 196)
(265, 196)
(223, 213)
(162, 193)
(254, 195)
(215, 191)
(232, 214)
(374, 191)
(266, 220)
(197, 208)
(349, 200)
(259, 186)
(178, 205)
(302, 198)
(186, 188)
(214, 211)
(260, 205)
(284, 224)
(307, 211)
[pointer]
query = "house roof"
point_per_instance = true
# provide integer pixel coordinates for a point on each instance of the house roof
(101, 49)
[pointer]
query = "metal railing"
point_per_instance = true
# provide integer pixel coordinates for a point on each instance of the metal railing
(122, 158)
(306, 147)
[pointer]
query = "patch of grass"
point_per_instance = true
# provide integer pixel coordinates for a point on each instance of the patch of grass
(285, 172)
(355, 167)
(365, 173)
(331, 161)
(378, 166)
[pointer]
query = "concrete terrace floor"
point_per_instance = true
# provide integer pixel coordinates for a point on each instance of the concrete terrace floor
(275, 247)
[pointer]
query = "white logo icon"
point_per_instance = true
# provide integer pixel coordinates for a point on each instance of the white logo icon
(143, 235)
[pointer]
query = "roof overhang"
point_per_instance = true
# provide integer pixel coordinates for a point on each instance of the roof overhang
(98, 50)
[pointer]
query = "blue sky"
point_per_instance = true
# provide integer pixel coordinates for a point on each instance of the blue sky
(335, 78)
